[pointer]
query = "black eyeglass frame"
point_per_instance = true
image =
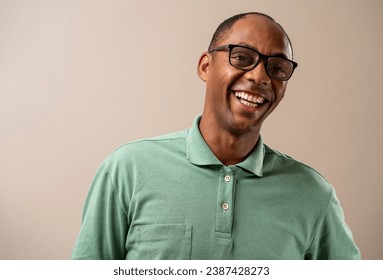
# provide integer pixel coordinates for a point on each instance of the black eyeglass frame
(261, 57)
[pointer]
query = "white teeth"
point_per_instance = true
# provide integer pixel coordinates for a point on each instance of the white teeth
(260, 99)
(248, 99)
(253, 105)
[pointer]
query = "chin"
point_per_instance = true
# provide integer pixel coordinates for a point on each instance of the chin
(240, 128)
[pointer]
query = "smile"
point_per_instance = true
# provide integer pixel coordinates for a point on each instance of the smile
(250, 100)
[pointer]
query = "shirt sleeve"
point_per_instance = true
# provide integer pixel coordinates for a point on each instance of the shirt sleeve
(333, 239)
(104, 223)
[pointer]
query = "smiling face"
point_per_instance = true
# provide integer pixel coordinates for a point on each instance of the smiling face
(238, 101)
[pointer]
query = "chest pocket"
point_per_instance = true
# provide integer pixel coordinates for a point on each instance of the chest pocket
(164, 242)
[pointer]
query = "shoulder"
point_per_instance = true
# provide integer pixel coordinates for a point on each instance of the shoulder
(306, 180)
(148, 148)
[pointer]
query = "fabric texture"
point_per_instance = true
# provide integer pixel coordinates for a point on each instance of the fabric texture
(169, 197)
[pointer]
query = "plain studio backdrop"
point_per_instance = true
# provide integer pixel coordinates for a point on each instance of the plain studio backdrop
(78, 78)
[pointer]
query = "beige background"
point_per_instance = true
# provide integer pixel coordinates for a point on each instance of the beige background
(79, 78)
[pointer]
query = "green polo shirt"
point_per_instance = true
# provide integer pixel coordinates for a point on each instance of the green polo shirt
(169, 197)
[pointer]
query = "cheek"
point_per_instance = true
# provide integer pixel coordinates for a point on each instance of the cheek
(279, 90)
(223, 74)
(218, 82)
(220, 79)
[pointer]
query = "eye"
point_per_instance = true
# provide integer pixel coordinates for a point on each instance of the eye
(278, 67)
(241, 58)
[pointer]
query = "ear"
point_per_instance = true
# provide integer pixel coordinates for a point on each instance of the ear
(203, 66)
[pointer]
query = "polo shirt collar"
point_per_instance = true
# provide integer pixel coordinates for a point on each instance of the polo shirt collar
(199, 153)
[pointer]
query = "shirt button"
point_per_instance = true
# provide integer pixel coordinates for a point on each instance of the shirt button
(225, 206)
(227, 178)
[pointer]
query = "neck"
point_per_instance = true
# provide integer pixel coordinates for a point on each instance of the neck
(228, 147)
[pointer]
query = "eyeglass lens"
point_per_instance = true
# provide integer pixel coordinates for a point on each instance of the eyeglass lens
(246, 59)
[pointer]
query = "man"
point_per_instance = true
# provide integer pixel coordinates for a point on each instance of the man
(215, 191)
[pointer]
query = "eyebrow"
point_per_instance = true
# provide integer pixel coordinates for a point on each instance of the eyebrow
(279, 54)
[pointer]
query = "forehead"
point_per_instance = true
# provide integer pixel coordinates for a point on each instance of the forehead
(260, 33)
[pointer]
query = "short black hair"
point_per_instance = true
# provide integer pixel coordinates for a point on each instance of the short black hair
(226, 25)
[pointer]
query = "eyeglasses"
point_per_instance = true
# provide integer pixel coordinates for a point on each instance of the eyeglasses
(246, 58)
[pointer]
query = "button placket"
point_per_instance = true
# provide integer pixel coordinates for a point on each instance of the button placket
(224, 217)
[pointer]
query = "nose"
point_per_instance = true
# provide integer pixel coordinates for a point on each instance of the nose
(258, 75)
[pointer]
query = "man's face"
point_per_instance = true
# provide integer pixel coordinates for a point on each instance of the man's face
(231, 93)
